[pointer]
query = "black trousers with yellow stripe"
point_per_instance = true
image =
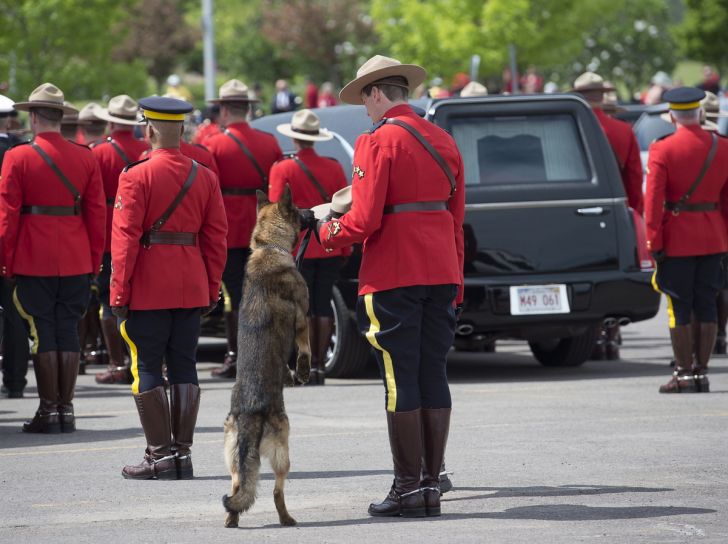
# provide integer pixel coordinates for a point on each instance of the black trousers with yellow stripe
(162, 336)
(411, 329)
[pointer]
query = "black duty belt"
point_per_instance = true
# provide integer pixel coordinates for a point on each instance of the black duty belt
(436, 206)
(59, 211)
(677, 207)
(239, 191)
(172, 238)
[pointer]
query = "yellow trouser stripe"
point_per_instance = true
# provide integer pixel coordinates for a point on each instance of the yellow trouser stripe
(374, 328)
(670, 311)
(134, 358)
(29, 318)
(227, 301)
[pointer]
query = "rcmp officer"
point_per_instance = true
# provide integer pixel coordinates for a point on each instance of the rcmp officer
(313, 180)
(52, 218)
(686, 213)
(69, 123)
(624, 145)
(168, 253)
(118, 151)
(244, 157)
(93, 128)
(407, 208)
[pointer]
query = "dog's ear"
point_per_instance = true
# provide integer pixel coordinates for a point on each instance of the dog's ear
(286, 198)
(262, 198)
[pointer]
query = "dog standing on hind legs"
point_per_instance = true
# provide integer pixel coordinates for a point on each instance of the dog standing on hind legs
(273, 307)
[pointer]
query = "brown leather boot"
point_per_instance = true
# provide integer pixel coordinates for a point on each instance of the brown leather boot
(682, 346)
(705, 346)
(405, 438)
(159, 461)
(185, 403)
(68, 372)
(435, 428)
(229, 367)
(46, 419)
(325, 328)
(118, 371)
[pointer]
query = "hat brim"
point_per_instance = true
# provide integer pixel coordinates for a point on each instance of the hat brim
(323, 135)
(104, 115)
(709, 125)
(232, 99)
(613, 108)
(25, 106)
(414, 74)
(716, 115)
(322, 210)
(588, 88)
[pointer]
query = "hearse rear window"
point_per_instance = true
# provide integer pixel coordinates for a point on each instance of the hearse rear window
(520, 150)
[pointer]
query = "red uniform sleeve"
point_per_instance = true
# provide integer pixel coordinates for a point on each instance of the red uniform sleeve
(126, 232)
(277, 182)
(456, 205)
(655, 198)
(11, 198)
(633, 176)
(369, 192)
(213, 241)
(93, 205)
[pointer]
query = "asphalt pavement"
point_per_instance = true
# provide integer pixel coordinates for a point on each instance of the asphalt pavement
(589, 454)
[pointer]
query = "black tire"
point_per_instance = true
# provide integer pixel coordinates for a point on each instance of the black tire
(571, 351)
(349, 352)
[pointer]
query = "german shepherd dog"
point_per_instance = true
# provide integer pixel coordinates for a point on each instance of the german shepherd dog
(273, 308)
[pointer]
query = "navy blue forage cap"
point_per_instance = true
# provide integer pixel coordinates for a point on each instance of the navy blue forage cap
(684, 98)
(162, 108)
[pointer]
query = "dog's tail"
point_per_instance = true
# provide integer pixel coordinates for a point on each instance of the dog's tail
(244, 459)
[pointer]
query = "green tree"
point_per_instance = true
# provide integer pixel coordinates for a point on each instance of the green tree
(67, 42)
(704, 32)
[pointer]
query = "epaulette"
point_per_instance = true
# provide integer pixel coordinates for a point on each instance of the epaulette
(377, 126)
(285, 158)
(133, 164)
(79, 145)
(663, 137)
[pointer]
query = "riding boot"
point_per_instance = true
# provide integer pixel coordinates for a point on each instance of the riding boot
(159, 460)
(612, 343)
(313, 375)
(46, 419)
(435, 428)
(228, 370)
(405, 438)
(68, 372)
(118, 372)
(706, 343)
(682, 346)
(325, 328)
(184, 403)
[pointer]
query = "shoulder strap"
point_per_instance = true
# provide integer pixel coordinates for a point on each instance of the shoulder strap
(118, 149)
(430, 149)
(310, 176)
(701, 175)
(159, 223)
(249, 154)
(70, 186)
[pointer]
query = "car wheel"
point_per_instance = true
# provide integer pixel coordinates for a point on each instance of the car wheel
(572, 351)
(349, 352)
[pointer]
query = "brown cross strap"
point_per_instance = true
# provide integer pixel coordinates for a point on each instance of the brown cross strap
(238, 191)
(697, 207)
(61, 176)
(173, 238)
(119, 151)
(680, 205)
(430, 149)
(432, 206)
(312, 178)
(251, 158)
(58, 211)
(159, 223)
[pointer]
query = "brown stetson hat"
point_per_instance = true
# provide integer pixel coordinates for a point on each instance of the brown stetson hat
(46, 95)
(381, 67)
(589, 81)
(87, 115)
(233, 90)
(305, 125)
(122, 110)
(339, 205)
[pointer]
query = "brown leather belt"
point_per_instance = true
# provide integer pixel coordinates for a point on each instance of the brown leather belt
(58, 211)
(436, 206)
(170, 238)
(239, 191)
(699, 207)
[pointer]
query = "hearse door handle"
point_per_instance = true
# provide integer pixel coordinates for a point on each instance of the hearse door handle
(596, 210)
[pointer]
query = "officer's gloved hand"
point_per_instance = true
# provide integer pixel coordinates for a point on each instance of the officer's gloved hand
(209, 309)
(458, 312)
(658, 256)
(120, 311)
(308, 220)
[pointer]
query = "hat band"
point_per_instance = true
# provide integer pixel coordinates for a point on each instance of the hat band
(684, 106)
(302, 131)
(123, 116)
(389, 81)
(160, 116)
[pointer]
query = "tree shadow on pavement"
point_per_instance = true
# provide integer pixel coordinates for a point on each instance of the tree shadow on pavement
(548, 491)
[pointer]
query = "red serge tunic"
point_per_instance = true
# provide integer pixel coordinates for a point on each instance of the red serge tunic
(236, 171)
(410, 248)
(328, 173)
(674, 164)
(45, 245)
(111, 165)
(167, 276)
(624, 144)
(193, 151)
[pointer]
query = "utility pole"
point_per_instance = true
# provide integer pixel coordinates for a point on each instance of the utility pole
(208, 32)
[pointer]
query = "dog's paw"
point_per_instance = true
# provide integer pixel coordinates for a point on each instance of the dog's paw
(287, 520)
(303, 367)
(288, 380)
(231, 520)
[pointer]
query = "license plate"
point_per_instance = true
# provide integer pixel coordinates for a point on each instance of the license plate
(539, 299)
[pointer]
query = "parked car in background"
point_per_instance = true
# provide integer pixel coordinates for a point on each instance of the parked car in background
(551, 248)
